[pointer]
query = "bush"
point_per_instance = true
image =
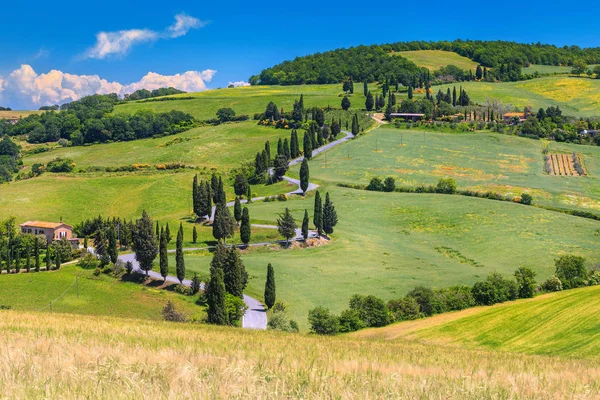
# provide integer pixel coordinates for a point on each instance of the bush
(495, 289)
(571, 271)
(278, 321)
(60, 165)
(404, 309)
(322, 322)
(553, 284)
(235, 309)
(129, 267)
(170, 313)
(371, 310)
(526, 199)
(389, 185)
(484, 293)
(375, 185)
(446, 186)
(88, 261)
(182, 289)
(350, 321)
(225, 114)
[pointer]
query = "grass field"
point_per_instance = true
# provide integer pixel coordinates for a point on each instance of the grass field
(65, 356)
(17, 114)
(222, 147)
(559, 324)
(98, 295)
(546, 69)
(575, 96)
(386, 244)
(245, 100)
(480, 161)
(435, 59)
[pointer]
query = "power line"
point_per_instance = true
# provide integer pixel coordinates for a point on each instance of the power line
(76, 282)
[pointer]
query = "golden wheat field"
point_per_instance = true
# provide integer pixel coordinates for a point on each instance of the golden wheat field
(67, 356)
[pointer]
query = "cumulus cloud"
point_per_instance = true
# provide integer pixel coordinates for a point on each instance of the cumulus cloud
(120, 42)
(238, 83)
(25, 89)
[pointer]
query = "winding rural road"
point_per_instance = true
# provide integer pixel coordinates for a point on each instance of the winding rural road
(256, 315)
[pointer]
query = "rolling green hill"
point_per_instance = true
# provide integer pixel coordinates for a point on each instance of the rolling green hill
(435, 59)
(564, 323)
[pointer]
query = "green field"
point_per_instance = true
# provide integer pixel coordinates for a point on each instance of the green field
(546, 69)
(575, 96)
(435, 59)
(560, 324)
(386, 244)
(245, 100)
(480, 161)
(98, 295)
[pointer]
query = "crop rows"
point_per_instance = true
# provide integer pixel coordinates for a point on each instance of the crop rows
(564, 165)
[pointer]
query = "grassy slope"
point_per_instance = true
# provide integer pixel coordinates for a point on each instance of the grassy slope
(564, 323)
(244, 100)
(100, 295)
(435, 59)
(385, 244)
(575, 96)
(546, 69)
(17, 114)
(482, 161)
(100, 357)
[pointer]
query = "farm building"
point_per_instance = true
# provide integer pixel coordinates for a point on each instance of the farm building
(508, 117)
(52, 231)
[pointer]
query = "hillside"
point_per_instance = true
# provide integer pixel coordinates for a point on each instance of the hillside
(100, 357)
(435, 59)
(564, 323)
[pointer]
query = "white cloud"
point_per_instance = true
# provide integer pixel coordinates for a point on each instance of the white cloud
(25, 89)
(183, 23)
(120, 42)
(238, 83)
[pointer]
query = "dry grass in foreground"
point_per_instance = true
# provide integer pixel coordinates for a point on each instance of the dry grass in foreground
(68, 356)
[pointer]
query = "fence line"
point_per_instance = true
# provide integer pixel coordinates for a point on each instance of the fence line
(76, 282)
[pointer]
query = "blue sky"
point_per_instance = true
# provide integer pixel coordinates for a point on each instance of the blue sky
(238, 39)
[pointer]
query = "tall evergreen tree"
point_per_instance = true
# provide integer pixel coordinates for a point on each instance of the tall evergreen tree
(330, 218)
(319, 117)
(369, 102)
(268, 152)
(346, 103)
(214, 187)
(454, 96)
(36, 254)
(28, 258)
(240, 185)
(355, 127)
(249, 195)
(304, 175)
(194, 235)
(305, 223)
(245, 228)
(279, 147)
(163, 255)
(18, 260)
(179, 260)
(219, 258)
(144, 242)
(318, 213)
(215, 298)
(479, 72)
(85, 242)
(365, 88)
(286, 149)
(223, 224)
(270, 287)
(157, 229)
(410, 92)
(294, 151)
(195, 199)
(234, 274)
(221, 193)
(112, 245)
(56, 259)
(208, 200)
(99, 242)
(237, 210)
(307, 146)
(48, 258)
(389, 110)
(286, 225)
(168, 233)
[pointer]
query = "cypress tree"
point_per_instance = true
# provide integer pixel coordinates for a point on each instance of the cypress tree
(376, 102)
(221, 193)
(365, 88)
(36, 254)
(48, 258)
(145, 243)
(304, 175)
(168, 234)
(286, 225)
(268, 152)
(18, 260)
(330, 218)
(179, 260)
(410, 92)
(235, 276)
(85, 242)
(249, 195)
(279, 147)
(318, 213)
(215, 297)
(388, 110)
(27, 259)
(194, 235)
(307, 146)
(355, 127)
(270, 287)
(208, 200)
(223, 224)
(163, 257)
(237, 210)
(112, 245)
(195, 200)
(219, 258)
(305, 223)
(369, 103)
(265, 160)
(286, 149)
(214, 187)
(294, 144)
(156, 233)
(195, 286)
(245, 228)
(56, 259)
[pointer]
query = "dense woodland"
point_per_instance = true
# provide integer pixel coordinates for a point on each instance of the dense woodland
(90, 120)
(147, 94)
(373, 63)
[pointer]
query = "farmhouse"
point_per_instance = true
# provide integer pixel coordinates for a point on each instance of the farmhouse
(508, 117)
(407, 116)
(52, 231)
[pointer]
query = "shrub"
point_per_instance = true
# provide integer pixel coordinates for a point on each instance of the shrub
(195, 286)
(372, 310)
(404, 309)
(322, 322)
(446, 186)
(279, 307)
(526, 199)
(182, 289)
(350, 321)
(235, 309)
(282, 197)
(89, 261)
(389, 185)
(117, 269)
(170, 313)
(60, 165)
(553, 284)
(225, 114)
(129, 267)
(375, 185)
(571, 271)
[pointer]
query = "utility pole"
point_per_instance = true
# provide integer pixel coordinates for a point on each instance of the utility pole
(77, 285)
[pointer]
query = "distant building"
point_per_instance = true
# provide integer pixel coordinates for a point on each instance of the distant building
(408, 116)
(52, 230)
(12, 120)
(508, 117)
(588, 132)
